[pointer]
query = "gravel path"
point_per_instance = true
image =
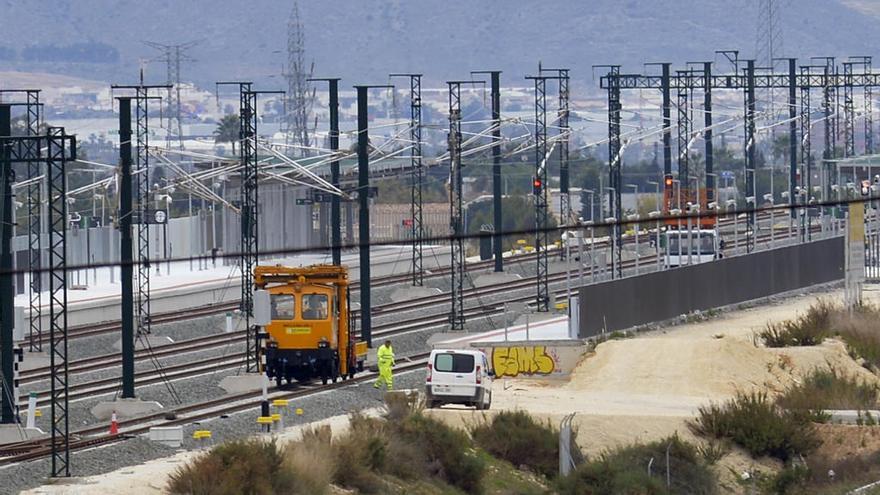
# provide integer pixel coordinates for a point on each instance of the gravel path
(115, 456)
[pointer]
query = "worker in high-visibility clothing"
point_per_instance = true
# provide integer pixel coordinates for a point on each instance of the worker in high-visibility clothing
(385, 355)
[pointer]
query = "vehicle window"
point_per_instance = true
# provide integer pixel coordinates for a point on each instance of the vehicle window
(707, 243)
(674, 244)
(282, 306)
(314, 307)
(454, 363)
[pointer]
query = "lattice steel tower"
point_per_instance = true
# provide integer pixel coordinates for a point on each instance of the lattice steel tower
(172, 56)
(300, 94)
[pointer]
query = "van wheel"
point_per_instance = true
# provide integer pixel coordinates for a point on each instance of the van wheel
(479, 403)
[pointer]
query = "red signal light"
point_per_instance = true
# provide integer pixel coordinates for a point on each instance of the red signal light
(536, 185)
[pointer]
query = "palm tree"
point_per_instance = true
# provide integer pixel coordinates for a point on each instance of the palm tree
(227, 130)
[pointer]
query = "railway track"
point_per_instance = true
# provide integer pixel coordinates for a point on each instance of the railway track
(94, 436)
(108, 386)
(212, 341)
(220, 308)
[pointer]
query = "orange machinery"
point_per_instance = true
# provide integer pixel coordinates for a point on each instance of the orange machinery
(678, 198)
(310, 335)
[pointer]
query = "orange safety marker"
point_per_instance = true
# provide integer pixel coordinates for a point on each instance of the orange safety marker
(114, 425)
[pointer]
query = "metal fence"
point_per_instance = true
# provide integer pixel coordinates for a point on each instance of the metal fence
(659, 296)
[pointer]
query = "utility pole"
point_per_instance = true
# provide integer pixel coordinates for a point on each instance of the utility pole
(7, 291)
(539, 183)
(615, 159)
(335, 212)
(457, 229)
(300, 96)
(250, 248)
(711, 195)
(849, 112)
(497, 213)
(768, 46)
(792, 136)
(750, 151)
(865, 62)
(172, 56)
(415, 135)
(126, 262)
(142, 198)
(35, 214)
(60, 148)
(363, 154)
(562, 114)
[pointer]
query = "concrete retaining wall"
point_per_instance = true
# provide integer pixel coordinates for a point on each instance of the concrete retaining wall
(533, 359)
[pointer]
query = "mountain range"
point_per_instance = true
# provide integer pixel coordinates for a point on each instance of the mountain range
(363, 40)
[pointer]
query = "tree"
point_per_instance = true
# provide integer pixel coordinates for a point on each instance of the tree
(228, 130)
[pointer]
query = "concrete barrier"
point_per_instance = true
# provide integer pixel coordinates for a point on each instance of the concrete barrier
(533, 359)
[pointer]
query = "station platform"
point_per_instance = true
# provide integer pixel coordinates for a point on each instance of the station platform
(94, 295)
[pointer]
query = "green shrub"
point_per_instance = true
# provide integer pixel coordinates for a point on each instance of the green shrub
(714, 450)
(249, 467)
(517, 438)
(362, 453)
(808, 329)
(790, 480)
(412, 448)
(828, 389)
(861, 334)
(626, 470)
(448, 450)
(755, 423)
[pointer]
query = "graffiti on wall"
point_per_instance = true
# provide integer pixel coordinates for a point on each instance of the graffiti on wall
(522, 360)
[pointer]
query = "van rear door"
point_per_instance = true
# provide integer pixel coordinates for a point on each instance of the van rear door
(453, 374)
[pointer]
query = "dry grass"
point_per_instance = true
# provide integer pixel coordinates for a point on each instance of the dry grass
(829, 389)
(861, 333)
(758, 425)
(252, 466)
(312, 460)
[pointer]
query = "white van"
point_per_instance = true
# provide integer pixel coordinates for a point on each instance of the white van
(458, 377)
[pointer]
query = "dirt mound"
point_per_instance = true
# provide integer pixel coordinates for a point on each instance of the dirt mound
(707, 367)
(710, 367)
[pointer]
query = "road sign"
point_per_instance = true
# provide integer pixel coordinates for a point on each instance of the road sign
(304, 201)
(322, 197)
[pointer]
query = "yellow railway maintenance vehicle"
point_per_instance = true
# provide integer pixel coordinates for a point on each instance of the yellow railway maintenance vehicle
(310, 334)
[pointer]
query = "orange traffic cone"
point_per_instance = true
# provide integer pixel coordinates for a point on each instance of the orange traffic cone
(114, 425)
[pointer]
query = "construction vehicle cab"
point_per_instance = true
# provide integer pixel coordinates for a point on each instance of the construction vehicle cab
(309, 335)
(691, 235)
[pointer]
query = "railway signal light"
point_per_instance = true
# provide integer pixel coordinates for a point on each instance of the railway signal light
(537, 186)
(668, 181)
